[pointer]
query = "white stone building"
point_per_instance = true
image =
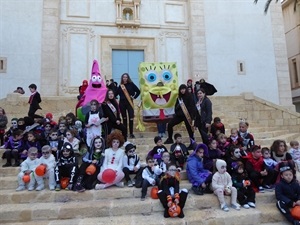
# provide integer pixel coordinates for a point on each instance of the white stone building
(229, 43)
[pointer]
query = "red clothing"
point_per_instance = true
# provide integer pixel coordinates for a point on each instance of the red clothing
(257, 164)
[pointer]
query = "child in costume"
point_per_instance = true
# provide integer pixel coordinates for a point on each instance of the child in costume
(93, 121)
(131, 163)
(94, 156)
(67, 166)
(197, 175)
(54, 143)
(14, 126)
(170, 192)
(164, 163)
(217, 128)
(157, 151)
(34, 101)
(48, 160)
(235, 139)
(62, 129)
(245, 192)
(3, 123)
(113, 159)
(28, 167)
(287, 192)
(222, 185)
(248, 138)
(295, 153)
(71, 138)
(223, 144)
(150, 176)
(257, 171)
(269, 162)
(178, 151)
(14, 146)
(236, 155)
(212, 155)
(31, 142)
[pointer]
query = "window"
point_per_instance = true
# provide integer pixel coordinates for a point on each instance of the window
(241, 69)
(295, 71)
(3, 64)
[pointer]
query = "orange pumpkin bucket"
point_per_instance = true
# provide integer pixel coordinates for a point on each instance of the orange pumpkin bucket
(153, 193)
(295, 212)
(91, 169)
(64, 182)
(174, 210)
(40, 170)
(26, 178)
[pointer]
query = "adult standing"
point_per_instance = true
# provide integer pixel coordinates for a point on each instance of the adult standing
(127, 91)
(112, 112)
(204, 114)
(185, 111)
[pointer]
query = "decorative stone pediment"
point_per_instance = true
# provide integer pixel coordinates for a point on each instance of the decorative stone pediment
(128, 13)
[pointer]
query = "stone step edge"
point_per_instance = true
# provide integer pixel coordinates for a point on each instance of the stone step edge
(267, 213)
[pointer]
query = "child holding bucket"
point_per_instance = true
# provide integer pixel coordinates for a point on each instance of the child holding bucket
(27, 168)
(111, 170)
(90, 167)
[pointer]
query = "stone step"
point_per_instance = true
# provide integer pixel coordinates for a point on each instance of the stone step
(10, 182)
(286, 137)
(10, 196)
(137, 212)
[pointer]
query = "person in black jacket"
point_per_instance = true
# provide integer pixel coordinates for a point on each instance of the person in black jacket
(111, 110)
(287, 192)
(34, 101)
(126, 105)
(184, 98)
(204, 115)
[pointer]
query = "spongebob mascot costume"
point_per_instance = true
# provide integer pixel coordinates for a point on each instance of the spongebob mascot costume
(159, 91)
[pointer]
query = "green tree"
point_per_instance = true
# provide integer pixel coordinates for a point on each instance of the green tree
(269, 2)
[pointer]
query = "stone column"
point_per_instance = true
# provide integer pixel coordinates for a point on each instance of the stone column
(50, 48)
(197, 41)
(281, 60)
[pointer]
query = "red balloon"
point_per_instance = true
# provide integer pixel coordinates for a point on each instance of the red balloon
(108, 175)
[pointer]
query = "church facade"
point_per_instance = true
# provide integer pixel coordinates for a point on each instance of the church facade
(231, 44)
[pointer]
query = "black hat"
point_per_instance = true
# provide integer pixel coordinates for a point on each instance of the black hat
(129, 147)
(67, 146)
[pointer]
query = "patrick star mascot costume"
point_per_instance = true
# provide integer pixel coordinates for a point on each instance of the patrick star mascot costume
(95, 90)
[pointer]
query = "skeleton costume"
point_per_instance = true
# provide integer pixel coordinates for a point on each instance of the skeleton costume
(66, 166)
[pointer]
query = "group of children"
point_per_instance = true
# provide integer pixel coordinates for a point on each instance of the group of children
(231, 165)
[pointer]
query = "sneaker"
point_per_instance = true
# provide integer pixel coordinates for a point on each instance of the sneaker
(236, 206)
(261, 189)
(69, 187)
(57, 187)
(120, 184)
(30, 188)
(143, 198)
(133, 182)
(17, 164)
(6, 165)
(268, 188)
(51, 188)
(40, 187)
(132, 136)
(296, 222)
(20, 188)
(225, 208)
(129, 183)
(79, 188)
(197, 190)
(246, 206)
(169, 141)
(99, 186)
(252, 204)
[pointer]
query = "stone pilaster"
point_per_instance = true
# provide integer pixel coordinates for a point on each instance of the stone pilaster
(50, 48)
(197, 41)
(280, 53)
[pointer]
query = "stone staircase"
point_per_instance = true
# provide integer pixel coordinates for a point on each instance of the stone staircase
(268, 122)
